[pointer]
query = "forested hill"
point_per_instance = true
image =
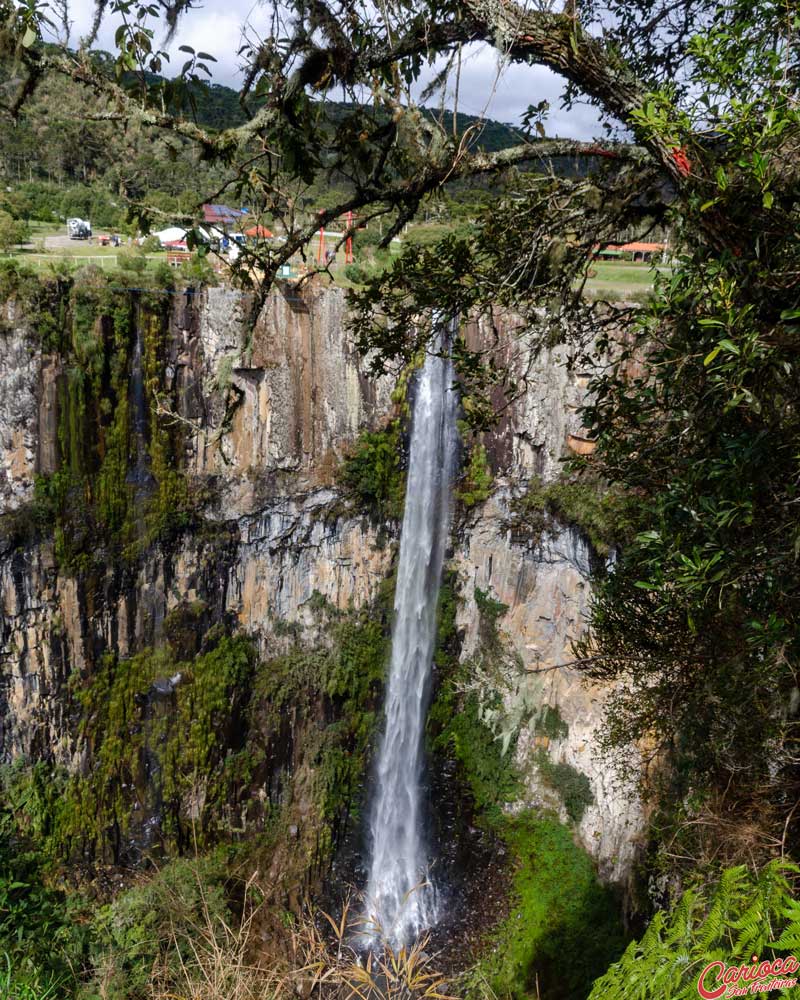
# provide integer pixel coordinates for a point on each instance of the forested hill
(217, 106)
(55, 163)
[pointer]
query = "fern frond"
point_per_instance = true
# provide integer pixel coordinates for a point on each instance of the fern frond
(743, 915)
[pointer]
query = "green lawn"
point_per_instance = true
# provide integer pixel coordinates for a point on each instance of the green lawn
(613, 273)
(612, 280)
(103, 257)
(80, 248)
(618, 280)
(39, 229)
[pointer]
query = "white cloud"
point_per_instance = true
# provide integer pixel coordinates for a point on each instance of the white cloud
(215, 28)
(504, 92)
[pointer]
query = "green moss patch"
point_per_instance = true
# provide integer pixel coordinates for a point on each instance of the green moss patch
(93, 504)
(328, 694)
(197, 742)
(161, 733)
(564, 927)
(604, 514)
(476, 483)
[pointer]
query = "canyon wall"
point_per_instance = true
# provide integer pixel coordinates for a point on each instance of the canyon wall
(264, 415)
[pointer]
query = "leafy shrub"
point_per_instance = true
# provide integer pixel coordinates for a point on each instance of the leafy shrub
(356, 273)
(151, 244)
(163, 275)
(12, 231)
(17, 281)
(198, 271)
(549, 723)
(62, 268)
(44, 934)
(372, 472)
(158, 922)
(132, 260)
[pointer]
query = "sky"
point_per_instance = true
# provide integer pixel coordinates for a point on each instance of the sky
(216, 27)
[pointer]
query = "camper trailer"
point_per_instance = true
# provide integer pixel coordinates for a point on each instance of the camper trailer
(79, 229)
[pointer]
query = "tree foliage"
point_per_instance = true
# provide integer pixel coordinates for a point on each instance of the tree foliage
(700, 615)
(11, 231)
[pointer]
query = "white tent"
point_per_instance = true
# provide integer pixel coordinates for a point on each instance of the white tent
(172, 234)
(177, 234)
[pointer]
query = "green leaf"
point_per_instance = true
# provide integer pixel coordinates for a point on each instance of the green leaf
(28, 38)
(711, 355)
(768, 199)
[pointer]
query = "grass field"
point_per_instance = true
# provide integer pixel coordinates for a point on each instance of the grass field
(46, 228)
(618, 281)
(106, 259)
(612, 280)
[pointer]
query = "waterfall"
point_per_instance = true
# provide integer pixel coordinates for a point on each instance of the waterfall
(401, 901)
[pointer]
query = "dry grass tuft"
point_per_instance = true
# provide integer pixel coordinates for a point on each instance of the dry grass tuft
(212, 960)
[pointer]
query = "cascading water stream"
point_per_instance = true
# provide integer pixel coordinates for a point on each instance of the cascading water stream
(401, 901)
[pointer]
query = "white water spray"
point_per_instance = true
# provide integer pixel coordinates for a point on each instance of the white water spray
(401, 901)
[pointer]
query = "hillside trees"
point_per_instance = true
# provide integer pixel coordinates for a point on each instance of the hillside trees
(697, 418)
(11, 231)
(390, 156)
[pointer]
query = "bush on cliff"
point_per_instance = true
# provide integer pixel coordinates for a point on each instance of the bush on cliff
(372, 472)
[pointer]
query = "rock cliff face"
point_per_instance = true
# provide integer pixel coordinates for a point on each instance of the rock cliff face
(20, 373)
(263, 418)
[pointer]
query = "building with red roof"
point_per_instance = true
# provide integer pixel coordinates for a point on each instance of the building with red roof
(222, 215)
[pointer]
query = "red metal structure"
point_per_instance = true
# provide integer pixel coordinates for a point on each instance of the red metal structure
(350, 220)
(348, 246)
